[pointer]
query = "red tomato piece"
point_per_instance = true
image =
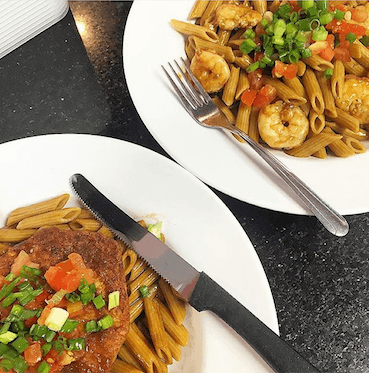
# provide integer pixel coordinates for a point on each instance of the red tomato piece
(256, 79)
(248, 96)
(71, 281)
(66, 266)
(342, 54)
(327, 54)
(54, 277)
(291, 71)
(330, 40)
(88, 275)
(77, 261)
(280, 69)
(359, 14)
(265, 96)
(33, 353)
(21, 260)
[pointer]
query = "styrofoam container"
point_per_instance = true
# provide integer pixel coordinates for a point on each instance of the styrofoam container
(21, 20)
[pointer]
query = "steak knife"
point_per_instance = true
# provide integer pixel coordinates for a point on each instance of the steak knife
(196, 287)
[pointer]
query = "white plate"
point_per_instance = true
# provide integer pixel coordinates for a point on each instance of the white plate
(212, 156)
(195, 221)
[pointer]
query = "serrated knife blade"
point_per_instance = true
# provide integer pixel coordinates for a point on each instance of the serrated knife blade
(199, 289)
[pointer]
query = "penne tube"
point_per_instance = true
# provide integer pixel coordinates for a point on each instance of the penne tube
(129, 259)
(52, 204)
(223, 36)
(120, 366)
(15, 235)
(253, 126)
(198, 9)
(62, 216)
(314, 144)
(243, 84)
(361, 135)
(147, 359)
(190, 50)
(318, 63)
(346, 120)
(177, 307)
(187, 28)
(62, 227)
(156, 330)
(178, 332)
(243, 61)
(338, 147)
(260, 6)
(296, 85)
(355, 50)
(364, 59)
(354, 144)
(301, 68)
(313, 91)
(316, 121)
(175, 348)
(105, 231)
(353, 67)
(243, 118)
(137, 269)
(207, 16)
(338, 79)
(147, 277)
(325, 86)
(286, 93)
(321, 153)
(224, 109)
(90, 225)
(229, 90)
(222, 50)
(128, 357)
(136, 307)
(86, 214)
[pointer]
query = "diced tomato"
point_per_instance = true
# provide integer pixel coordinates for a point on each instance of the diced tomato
(248, 96)
(265, 96)
(343, 42)
(358, 30)
(66, 266)
(54, 277)
(330, 40)
(21, 260)
(77, 261)
(33, 353)
(359, 14)
(281, 69)
(42, 297)
(327, 54)
(45, 313)
(342, 54)
(88, 275)
(256, 79)
(71, 281)
(294, 5)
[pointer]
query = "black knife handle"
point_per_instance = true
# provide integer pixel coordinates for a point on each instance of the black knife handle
(208, 295)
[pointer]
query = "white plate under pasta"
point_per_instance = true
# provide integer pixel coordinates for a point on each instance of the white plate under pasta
(195, 222)
(211, 155)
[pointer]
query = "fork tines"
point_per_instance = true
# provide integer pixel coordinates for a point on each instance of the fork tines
(184, 83)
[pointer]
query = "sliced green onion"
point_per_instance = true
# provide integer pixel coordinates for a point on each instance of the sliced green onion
(294, 56)
(11, 298)
(145, 291)
(322, 4)
(7, 289)
(249, 33)
(306, 4)
(49, 335)
(7, 337)
(38, 331)
(20, 365)
(312, 12)
(326, 18)
(76, 344)
(284, 10)
(99, 301)
(30, 273)
(306, 53)
(264, 22)
(365, 41)
(351, 37)
(338, 14)
(320, 33)
(84, 287)
(73, 297)
(294, 17)
(106, 322)
(69, 326)
(328, 73)
(254, 66)
(303, 25)
(92, 326)
(6, 364)
(46, 348)
(20, 344)
(44, 367)
(247, 46)
(113, 300)
(10, 277)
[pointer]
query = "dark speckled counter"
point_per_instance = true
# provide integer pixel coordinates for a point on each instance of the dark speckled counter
(52, 84)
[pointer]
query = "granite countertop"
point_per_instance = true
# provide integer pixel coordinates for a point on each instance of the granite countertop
(52, 84)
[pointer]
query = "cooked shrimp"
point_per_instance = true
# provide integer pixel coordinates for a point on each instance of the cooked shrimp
(210, 69)
(355, 98)
(282, 125)
(231, 16)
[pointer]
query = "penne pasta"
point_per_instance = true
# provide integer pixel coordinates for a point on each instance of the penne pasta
(318, 63)
(91, 225)
(230, 87)
(243, 84)
(206, 17)
(314, 144)
(201, 32)
(120, 366)
(62, 216)
(176, 306)
(260, 6)
(198, 9)
(253, 125)
(313, 91)
(329, 103)
(21, 213)
(338, 79)
(316, 121)
(353, 67)
(128, 357)
(224, 109)
(354, 144)
(15, 235)
(346, 120)
(338, 147)
(243, 117)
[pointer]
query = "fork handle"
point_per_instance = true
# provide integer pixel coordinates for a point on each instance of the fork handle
(332, 221)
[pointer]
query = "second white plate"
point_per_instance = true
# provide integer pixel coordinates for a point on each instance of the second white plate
(214, 157)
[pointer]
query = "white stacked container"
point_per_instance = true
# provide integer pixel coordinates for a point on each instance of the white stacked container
(21, 20)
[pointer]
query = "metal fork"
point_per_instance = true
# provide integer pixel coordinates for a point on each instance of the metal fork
(200, 106)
